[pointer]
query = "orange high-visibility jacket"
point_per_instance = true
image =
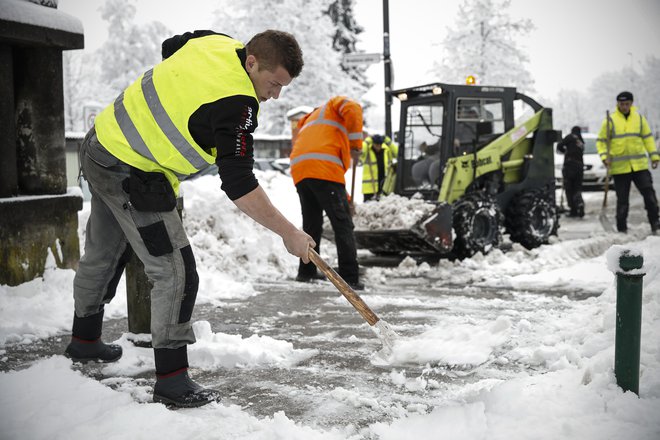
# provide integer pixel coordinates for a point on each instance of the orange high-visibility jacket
(321, 149)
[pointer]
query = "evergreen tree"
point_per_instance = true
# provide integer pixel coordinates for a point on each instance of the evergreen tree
(346, 36)
(483, 44)
(322, 75)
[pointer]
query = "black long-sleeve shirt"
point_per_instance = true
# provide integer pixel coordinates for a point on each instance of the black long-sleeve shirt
(227, 125)
(573, 148)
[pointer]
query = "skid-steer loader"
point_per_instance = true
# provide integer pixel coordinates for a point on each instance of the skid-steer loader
(484, 170)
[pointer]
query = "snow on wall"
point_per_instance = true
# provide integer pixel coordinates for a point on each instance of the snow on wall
(23, 11)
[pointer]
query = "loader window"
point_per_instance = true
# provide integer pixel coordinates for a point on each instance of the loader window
(421, 167)
(470, 112)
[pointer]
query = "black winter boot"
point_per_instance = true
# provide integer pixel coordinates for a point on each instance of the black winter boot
(86, 344)
(173, 385)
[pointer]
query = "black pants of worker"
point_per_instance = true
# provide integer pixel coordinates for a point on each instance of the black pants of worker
(370, 197)
(317, 196)
(644, 184)
(573, 172)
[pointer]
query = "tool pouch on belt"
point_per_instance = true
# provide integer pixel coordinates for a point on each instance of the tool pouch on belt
(149, 192)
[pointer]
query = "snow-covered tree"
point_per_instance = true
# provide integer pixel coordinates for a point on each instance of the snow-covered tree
(74, 84)
(572, 107)
(322, 75)
(649, 93)
(132, 48)
(484, 43)
(99, 77)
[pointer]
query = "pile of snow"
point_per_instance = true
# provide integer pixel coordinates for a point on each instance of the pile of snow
(231, 250)
(465, 344)
(391, 212)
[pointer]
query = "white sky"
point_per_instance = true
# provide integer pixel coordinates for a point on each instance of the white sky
(593, 36)
(573, 42)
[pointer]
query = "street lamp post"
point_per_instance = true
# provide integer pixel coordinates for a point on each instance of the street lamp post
(388, 68)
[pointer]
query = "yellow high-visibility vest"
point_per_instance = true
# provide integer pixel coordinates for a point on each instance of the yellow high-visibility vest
(631, 140)
(370, 175)
(147, 125)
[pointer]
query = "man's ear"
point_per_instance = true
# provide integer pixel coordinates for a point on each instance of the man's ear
(251, 63)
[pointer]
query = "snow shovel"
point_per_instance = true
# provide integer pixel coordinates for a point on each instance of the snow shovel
(382, 329)
(561, 209)
(604, 222)
(351, 205)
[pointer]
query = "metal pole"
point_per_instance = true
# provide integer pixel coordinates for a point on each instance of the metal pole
(628, 321)
(388, 68)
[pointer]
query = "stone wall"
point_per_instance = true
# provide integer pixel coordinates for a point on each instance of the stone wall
(37, 214)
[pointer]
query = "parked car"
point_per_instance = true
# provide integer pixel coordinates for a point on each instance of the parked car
(595, 172)
(282, 165)
(268, 164)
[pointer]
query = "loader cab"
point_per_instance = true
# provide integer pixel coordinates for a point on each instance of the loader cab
(440, 121)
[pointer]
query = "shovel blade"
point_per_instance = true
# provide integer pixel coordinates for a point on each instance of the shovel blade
(605, 223)
(387, 336)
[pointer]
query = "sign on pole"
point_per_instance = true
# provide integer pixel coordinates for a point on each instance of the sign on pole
(89, 114)
(359, 59)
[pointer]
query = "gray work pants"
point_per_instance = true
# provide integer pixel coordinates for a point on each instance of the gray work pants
(113, 229)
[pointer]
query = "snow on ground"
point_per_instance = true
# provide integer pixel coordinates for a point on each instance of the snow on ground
(576, 397)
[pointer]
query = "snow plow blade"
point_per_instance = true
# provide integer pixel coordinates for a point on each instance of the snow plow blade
(430, 235)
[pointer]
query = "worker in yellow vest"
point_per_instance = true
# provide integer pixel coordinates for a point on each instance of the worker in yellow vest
(625, 145)
(196, 108)
(378, 165)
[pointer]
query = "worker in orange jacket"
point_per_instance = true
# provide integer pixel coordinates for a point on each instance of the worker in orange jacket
(327, 139)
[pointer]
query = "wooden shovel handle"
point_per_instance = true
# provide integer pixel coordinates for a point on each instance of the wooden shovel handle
(351, 203)
(343, 288)
(353, 181)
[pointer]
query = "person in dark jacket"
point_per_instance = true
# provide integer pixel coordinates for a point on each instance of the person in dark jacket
(572, 146)
(196, 108)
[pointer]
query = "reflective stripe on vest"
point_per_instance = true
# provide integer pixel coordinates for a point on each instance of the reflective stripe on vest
(631, 157)
(625, 135)
(166, 125)
(317, 156)
(129, 130)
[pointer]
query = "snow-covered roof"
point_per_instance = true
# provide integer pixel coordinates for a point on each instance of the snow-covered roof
(272, 137)
(26, 12)
(300, 110)
(75, 134)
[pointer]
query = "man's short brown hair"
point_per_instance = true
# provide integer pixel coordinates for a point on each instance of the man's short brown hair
(274, 48)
